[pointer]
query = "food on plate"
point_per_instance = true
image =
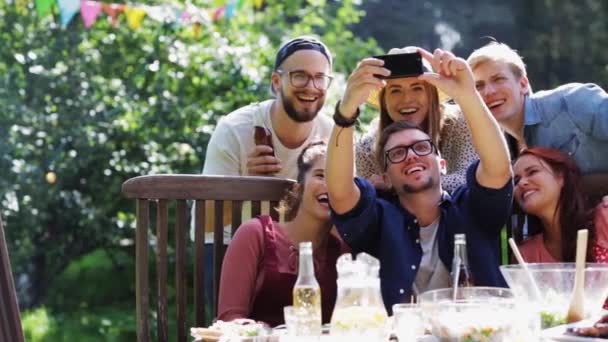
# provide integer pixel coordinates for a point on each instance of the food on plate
(599, 329)
(241, 330)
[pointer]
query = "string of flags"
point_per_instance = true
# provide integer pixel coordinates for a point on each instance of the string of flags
(90, 11)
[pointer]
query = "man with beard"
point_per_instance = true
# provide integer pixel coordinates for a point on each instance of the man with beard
(300, 79)
(413, 234)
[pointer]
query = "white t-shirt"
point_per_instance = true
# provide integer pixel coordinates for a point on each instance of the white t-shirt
(432, 273)
(233, 141)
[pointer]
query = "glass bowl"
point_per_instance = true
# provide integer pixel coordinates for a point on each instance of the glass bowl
(481, 314)
(554, 283)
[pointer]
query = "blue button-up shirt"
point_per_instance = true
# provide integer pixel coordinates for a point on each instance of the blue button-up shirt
(390, 233)
(572, 118)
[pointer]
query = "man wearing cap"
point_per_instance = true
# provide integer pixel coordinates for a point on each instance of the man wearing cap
(300, 79)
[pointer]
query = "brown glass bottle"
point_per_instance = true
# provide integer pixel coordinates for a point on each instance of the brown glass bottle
(461, 262)
(263, 136)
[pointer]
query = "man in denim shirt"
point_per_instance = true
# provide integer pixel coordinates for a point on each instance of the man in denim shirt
(413, 235)
(572, 118)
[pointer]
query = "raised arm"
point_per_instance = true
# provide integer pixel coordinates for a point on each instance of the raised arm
(455, 78)
(343, 193)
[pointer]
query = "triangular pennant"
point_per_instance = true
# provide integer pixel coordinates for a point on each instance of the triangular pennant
(135, 16)
(258, 4)
(218, 13)
(89, 11)
(240, 4)
(113, 10)
(178, 16)
(43, 7)
(67, 10)
(230, 7)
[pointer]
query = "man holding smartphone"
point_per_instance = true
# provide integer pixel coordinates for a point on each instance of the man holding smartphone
(300, 79)
(413, 234)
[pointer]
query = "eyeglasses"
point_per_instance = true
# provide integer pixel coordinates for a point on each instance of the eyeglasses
(399, 153)
(300, 79)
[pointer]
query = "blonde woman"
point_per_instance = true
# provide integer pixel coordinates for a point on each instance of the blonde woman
(419, 102)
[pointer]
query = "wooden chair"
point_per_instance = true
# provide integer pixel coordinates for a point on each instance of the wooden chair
(10, 319)
(162, 189)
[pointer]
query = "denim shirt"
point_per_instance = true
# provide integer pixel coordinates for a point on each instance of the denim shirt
(390, 233)
(572, 118)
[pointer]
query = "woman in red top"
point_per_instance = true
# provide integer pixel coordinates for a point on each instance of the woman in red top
(261, 264)
(547, 188)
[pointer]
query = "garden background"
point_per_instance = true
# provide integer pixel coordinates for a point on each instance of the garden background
(85, 107)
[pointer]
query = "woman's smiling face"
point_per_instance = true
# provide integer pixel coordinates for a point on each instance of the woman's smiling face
(407, 99)
(537, 186)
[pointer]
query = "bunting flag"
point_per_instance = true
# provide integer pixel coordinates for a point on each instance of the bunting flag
(89, 11)
(189, 15)
(113, 10)
(230, 7)
(135, 16)
(67, 10)
(43, 7)
(218, 13)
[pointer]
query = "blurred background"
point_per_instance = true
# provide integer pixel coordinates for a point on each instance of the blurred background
(87, 102)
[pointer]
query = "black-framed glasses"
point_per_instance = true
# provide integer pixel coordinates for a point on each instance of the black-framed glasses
(399, 153)
(300, 79)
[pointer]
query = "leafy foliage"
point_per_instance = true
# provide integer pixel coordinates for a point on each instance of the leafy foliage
(561, 41)
(83, 110)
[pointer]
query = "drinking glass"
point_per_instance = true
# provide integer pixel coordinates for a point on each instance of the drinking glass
(407, 322)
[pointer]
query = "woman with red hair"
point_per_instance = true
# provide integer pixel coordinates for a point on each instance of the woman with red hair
(548, 190)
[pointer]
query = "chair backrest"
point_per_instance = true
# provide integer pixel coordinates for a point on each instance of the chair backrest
(10, 320)
(595, 186)
(162, 189)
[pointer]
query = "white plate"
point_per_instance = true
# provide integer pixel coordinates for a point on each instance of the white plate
(558, 333)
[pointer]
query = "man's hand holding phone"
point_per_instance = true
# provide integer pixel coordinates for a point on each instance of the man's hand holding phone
(453, 75)
(262, 162)
(361, 82)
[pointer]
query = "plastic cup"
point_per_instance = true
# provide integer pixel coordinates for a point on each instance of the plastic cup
(407, 322)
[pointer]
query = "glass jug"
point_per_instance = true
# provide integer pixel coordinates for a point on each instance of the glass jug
(359, 310)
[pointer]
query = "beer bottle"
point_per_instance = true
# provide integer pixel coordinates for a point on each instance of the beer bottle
(460, 263)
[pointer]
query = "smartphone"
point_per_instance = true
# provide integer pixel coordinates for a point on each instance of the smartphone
(402, 65)
(263, 136)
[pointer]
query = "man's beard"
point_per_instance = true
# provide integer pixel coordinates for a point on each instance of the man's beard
(408, 189)
(294, 114)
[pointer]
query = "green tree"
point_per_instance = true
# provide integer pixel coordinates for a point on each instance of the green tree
(82, 110)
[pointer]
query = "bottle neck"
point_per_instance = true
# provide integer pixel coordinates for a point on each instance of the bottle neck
(460, 250)
(306, 268)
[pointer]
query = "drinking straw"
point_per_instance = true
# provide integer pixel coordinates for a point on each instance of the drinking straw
(524, 266)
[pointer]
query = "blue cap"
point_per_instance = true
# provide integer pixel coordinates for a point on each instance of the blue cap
(300, 43)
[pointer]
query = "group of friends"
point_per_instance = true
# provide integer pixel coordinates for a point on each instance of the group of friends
(457, 149)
